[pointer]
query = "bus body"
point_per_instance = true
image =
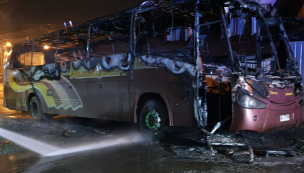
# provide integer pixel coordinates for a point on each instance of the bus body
(179, 53)
(99, 94)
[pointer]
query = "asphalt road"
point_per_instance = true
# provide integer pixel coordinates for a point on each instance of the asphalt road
(184, 152)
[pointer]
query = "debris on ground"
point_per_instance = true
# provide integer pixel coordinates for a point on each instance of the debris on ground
(102, 131)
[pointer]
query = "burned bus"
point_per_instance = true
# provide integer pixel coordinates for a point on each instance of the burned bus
(160, 64)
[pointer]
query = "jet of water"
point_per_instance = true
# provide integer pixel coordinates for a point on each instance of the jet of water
(28, 143)
(97, 145)
(45, 149)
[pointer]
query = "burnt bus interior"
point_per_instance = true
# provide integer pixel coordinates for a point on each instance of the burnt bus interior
(249, 43)
(170, 33)
(232, 40)
(259, 53)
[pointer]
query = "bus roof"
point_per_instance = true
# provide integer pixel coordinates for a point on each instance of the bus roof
(66, 35)
(83, 27)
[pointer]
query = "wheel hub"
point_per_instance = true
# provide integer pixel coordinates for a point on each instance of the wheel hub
(152, 120)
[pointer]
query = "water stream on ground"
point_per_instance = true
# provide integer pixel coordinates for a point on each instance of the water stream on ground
(45, 149)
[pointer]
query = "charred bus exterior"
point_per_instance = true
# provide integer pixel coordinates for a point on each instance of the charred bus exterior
(172, 63)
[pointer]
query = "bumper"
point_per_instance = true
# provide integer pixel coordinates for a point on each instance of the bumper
(263, 120)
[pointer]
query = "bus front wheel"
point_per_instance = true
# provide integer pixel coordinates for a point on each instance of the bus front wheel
(152, 119)
(36, 111)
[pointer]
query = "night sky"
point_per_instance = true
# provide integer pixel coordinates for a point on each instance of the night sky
(20, 15)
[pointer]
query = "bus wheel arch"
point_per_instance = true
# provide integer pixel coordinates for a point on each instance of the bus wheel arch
(36, 111)
(153, 107)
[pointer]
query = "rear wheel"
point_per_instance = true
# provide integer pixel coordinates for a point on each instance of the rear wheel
(36, 111)
(153, 118)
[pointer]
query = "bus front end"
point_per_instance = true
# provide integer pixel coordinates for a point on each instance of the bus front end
(266, 84)
(267, 103)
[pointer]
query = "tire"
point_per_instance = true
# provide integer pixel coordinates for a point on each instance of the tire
(36, 111)
(153, 118)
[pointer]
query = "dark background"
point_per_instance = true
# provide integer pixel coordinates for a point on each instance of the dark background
(27, 18)
(39, 16)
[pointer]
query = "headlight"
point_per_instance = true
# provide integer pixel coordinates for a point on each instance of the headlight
(249, 102)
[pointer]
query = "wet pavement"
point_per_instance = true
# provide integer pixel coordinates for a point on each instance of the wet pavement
(185, 151)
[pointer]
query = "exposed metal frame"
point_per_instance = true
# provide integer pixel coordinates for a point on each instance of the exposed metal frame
(224, 27)
(133, 40)
(200, 112)
(33, 48)
(88, 41)
(270, 38)
(258, 45)
(56, 56)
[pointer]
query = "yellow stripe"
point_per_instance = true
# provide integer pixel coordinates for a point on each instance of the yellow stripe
(75, 91)
(41, 87)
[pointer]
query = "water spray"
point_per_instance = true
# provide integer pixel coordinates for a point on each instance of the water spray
(46, 150)
(28, 143)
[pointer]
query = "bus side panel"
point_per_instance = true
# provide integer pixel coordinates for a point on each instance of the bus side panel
(182, 105)
(145, 81)
(172, 88)
(57, 96)
(125, 113)
(10, 97)
(16, 90)
(63, 97)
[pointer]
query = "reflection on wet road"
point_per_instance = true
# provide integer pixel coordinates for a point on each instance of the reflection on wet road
(182, 152)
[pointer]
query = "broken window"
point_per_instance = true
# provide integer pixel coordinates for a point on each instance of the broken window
(27, 60)
(217, 70)
(71, 47)
(24, 55)
(166, 34)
